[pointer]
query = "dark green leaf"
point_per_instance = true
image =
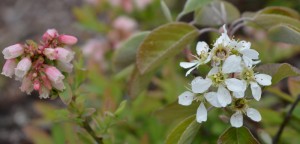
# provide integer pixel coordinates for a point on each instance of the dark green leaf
(192, 5)
(217, 13)
(184, 132)
(162, 43)
(278, 71)
(237, 136)
(285, 33)
(166, 10)
(126, 53)
(66, 95)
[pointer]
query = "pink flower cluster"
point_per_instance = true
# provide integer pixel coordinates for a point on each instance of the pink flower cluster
(40, 66)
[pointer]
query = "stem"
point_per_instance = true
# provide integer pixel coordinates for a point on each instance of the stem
(285, 121)
(202, 31)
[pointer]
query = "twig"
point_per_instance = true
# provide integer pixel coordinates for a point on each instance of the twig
(88, 128)
(202, 31)
(285, 121)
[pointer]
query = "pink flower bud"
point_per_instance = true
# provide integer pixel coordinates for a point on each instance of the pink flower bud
(26, 85)
(53, 74)
(9, 67)
(36, 85)
(50, 34)
(50, 53)
(67, 39)
(59, 85)
(141, 4)
(13, 51)
(64, 55)
(65, 67)
(44, 93)
(125, 24)
(23, 67)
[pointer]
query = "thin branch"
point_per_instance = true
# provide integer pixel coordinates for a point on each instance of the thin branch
(285, 121)
(89, 129)
(202, 31)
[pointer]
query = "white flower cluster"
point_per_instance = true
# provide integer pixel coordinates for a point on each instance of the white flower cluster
(232, 63)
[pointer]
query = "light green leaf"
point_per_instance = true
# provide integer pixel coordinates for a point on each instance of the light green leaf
(162, 43)
(216, 13)
(58, 133)
(184, 132)
(138, 82)
(66, 95)
(285, 33)
(278, 71)
(121, 107)
(165, 9)
(88, 112)
(192, 5)
(237, 136)
(175, 111)
(280, 11)
(126, 53)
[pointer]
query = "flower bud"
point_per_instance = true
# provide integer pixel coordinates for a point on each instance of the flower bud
(65, 67)
(67, 39)
(13, 51)
(64, 55)
(50, 53)
(59, 85)
(36, 85)
(50, 34)
(26, 85)
(125, 24)
(53, 74)
(9, 67)
(23, 67)
(44, 92)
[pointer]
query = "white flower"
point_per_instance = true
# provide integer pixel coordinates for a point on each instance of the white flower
(23, 67)
(249, 77)
(13, 51)
(186, 99)
(236, 119)
(204, 57)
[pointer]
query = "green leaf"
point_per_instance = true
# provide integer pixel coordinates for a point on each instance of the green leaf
(237, 136)
(162, 43)
(121, 107)
(126, 53)
(66, 95)
(278, 71)
(165, 9)
(294, 86)
(192, 5)
(138, 82)
(88, 112)
(285, 33)
(217, 13)
(184, 132)
(279, 10)
(58, 133)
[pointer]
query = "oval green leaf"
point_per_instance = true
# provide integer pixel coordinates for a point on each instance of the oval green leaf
(126, 53)
(166, 11)
(285, 33)
(192, 5)
(279, 10)
(278, 71)
(237, 136)
(162, 43)
(184, 132)
(217, 13)
(66, 95)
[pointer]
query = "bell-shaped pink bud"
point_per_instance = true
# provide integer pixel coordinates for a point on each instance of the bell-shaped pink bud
(53, 74)
(36, 85)
(50, 53)
(44, 93)
(9, 67)
(26, 85)
(59, 85)
(124, 24)
(67, 39)
(13, 51)
(64, 55)
(50, 34)
(65, 67)
(23, 67)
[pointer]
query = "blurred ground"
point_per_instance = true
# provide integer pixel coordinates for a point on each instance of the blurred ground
(20, 20)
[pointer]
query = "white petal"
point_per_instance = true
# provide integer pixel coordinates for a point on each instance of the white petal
(200, 85)
(186, 98)
(190, 70)
(253, 114)
(248, 62)
(201, 113)
(214, 70)
(244, 45)
(236, 120)
(263, 79)
(224, 96)
(212, 98)
(202, 47)
(256, 90)
(223, 39)
(250, 53)
(239, 94)
(235, 85)
(232, 64)
(188, 64)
